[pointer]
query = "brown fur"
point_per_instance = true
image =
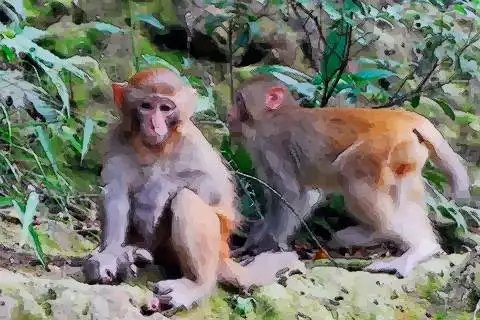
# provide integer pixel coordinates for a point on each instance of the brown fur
(373, 156)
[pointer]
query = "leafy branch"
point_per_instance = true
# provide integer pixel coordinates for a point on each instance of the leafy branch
(422, 87)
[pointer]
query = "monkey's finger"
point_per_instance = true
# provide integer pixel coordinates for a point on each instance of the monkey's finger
(280, 272)
(164, 300)
(108, 279)
(154, 304)
(247, 261)
(142, 256)
(160, 292)
(170, 312)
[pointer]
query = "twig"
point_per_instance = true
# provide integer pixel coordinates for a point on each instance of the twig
(132, 33)
(289, 206)
(230, 62)
(413, 94)
(328, 92)
(477, 308)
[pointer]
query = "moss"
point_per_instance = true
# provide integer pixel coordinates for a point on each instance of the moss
(48, 244)
(429, 290)
(20, 314)
(266, 309)
(47, 307)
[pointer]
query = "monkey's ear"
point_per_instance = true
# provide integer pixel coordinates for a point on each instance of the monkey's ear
(119, 92)
(274, 98)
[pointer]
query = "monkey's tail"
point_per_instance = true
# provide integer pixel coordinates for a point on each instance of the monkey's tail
(444, 157)
(264, 269)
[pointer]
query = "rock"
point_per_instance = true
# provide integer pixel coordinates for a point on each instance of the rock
(28, 297)
(321, 293)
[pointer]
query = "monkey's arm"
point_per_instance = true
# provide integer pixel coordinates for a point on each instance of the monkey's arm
(116, 204)
(114, 258)
(116, 207)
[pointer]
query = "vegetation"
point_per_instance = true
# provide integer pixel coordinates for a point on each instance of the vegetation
(49, 130)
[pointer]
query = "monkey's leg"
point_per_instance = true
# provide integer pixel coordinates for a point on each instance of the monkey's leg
(355, 236)
(196, 239)
(286, 221)
(412, 225)
(273, 231)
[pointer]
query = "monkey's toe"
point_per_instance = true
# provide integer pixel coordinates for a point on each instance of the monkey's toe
(395, 266)
(178, 293)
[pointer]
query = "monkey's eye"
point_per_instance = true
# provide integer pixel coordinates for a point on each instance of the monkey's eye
(165, 107)
(238, 99)
(147, 106)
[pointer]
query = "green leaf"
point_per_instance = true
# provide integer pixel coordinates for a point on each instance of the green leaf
(446, 108)
(44, 141)
(334, 52)
(243, 38)
(30, 210)
(37, 246)
(8, 53)
(5, 202)
(285, 70)
(151, 20)
(87, 134)
(304, 88)
(106, 27)
(415, 101)
(337, 202)
(244, 305)
(214, 21)
(153, 60)
(373, 74)
(460, 9)
(331, 10)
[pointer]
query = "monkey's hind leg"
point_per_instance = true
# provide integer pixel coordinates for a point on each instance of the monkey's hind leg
(355, 236)
(196, 239)
(412, 225)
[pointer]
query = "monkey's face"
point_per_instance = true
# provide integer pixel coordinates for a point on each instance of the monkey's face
(158, 116)
(238, 115)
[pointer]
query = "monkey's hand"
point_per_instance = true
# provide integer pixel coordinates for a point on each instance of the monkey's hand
(259, 240)
(114, 265)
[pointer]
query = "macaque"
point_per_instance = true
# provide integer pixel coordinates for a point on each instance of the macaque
(169, 199)
(374, 157)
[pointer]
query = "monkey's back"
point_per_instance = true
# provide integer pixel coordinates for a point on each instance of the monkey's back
(337, 129)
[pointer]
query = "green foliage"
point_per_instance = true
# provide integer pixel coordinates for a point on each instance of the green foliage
(26, 217)
(51, 155)
(244, 306)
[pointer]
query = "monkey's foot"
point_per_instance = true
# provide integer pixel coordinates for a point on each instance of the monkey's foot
(403, 265)
(177, 294)
(113, 265)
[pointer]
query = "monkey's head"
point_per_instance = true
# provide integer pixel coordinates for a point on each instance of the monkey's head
(154, 103)
(256, 98)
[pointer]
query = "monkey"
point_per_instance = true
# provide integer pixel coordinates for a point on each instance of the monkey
(169, 199)
(374, 157)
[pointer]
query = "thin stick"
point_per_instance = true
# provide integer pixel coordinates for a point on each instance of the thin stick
(289, 206)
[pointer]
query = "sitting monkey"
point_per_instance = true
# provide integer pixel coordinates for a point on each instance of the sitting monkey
(169, 198)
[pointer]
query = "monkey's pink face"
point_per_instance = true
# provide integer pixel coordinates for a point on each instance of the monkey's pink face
(158, 117)
(237, 115)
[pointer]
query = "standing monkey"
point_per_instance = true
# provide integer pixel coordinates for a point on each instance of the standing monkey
(373, 157)
(169, 198)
